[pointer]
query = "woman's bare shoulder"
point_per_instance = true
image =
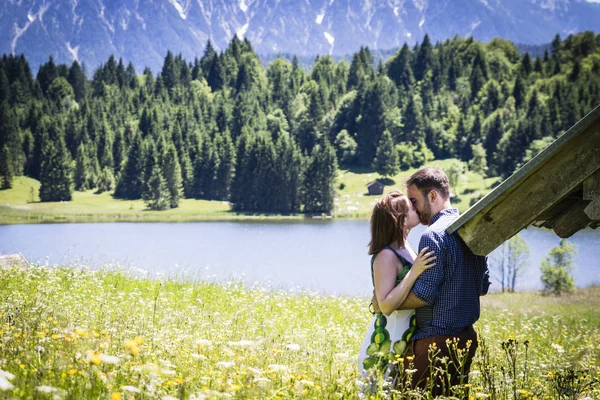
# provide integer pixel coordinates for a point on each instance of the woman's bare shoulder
(385, 257)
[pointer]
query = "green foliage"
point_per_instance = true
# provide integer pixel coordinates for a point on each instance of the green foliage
(172, 173)
(55, 175)
(386, 160)
(156, 194)
(448, 100)
(455, 171)
(106, 181)
(346, 147)
(478, 163)
(557, 268)
(319, 181)
(6, 171)
(529, 346)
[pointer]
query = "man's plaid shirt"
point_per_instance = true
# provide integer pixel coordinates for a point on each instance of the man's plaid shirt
(452, 288)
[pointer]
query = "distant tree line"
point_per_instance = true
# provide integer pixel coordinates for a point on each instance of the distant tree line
(270, 139)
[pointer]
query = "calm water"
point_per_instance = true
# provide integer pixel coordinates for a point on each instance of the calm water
(326, 257)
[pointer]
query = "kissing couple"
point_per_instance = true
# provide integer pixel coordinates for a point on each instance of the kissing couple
(425, 303)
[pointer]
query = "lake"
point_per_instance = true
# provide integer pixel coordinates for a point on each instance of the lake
(327, 257)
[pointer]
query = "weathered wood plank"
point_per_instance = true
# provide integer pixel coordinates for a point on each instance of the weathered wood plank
(571, 221)
(591, 191)
(520, 205)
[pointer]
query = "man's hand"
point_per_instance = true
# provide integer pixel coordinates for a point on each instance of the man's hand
(375, 304)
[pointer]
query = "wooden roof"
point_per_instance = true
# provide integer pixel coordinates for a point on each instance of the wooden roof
(558, 189)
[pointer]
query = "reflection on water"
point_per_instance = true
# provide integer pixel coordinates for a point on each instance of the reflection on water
(326, 257)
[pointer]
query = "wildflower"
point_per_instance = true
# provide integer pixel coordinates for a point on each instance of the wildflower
(228, 351)
(225, 364)
(410, 371)
(132, 346)
(242, 343)
(255, 371)
(203, 343)
(115, 396)
(559, 349)
(261, 380)
(72, 371)
(293, 347)
(50, 390)
(39, 349)
(6, 375)
(5, 384)
(169, 398)
(130, 389)
(109, 359)
(168, 372)
(278, 368)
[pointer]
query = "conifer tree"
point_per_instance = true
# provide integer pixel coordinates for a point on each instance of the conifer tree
(172, 174)
(78, 81)
(478, 163)
(80, 177)
(386, 161)
(55, 175)
(156, 195)
(106, 181)
(6, 171)
(319, 190)
(118, 151)
(130, 182)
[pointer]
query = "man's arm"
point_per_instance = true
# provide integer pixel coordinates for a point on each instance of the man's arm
(411, 302)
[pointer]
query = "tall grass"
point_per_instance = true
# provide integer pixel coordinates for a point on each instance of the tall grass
(76, 333)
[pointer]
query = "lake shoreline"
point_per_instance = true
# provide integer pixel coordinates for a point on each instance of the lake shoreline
(23, 217)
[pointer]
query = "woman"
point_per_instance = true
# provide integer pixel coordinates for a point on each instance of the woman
(394, 269)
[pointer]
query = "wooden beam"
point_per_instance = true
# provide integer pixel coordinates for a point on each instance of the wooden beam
(571, 221)
(560, 206)
(591, 192)
(521, 204)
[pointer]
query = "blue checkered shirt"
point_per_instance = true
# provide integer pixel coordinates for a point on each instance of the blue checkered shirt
(452, 288)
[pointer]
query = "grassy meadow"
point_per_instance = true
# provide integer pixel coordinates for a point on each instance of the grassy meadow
(74, 333)
(21, 204)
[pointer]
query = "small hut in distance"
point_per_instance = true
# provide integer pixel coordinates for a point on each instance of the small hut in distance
(375, 188)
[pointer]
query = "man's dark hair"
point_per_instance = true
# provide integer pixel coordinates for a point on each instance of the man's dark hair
(427, 179)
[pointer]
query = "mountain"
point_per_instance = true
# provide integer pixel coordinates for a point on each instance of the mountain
(141, 31)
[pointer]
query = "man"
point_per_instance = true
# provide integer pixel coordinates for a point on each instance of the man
(446, 297)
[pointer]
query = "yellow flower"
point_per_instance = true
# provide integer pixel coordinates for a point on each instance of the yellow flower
(42, 335)
(96, 358)
(81, 332)
(115, 396)
(72, 371)
(179, 380)
(132, 346)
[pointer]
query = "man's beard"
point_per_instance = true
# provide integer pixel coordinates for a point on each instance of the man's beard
(425, 215)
